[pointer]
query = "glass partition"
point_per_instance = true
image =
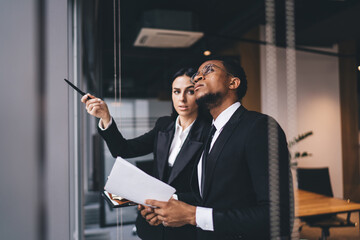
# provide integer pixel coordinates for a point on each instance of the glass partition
(295, 65)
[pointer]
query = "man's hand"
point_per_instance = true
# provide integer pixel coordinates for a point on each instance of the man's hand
(149, 215)
(174, 213)
(97, 108)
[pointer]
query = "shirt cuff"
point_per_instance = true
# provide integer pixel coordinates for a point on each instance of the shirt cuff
(175, 196)
(101, 125)
(204, 218)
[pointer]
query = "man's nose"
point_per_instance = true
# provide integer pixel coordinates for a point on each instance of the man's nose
(198, 78)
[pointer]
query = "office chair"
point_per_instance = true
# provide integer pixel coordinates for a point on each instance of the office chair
(317, 180)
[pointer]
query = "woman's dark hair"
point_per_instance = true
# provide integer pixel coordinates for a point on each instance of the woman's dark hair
(189, 72)
(184, 71)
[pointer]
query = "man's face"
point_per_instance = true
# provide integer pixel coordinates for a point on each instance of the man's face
(211, 82)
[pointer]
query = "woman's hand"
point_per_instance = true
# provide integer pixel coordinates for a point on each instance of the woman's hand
(97, 108)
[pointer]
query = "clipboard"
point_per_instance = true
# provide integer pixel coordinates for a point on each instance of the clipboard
(116, 202)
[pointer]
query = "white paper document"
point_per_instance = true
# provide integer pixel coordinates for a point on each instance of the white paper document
(128, 181)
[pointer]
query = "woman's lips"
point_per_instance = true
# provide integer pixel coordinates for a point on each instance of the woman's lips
(183, 107)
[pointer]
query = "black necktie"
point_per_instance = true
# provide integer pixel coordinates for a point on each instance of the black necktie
(205, 154)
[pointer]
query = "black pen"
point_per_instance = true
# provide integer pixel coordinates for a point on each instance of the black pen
(77, 89)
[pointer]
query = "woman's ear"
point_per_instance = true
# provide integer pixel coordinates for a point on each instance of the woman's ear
(234, 83)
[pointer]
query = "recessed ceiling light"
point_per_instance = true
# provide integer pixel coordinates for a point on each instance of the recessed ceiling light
(359, 68)
(207, 53)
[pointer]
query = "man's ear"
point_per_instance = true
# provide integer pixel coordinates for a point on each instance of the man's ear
(234, 83)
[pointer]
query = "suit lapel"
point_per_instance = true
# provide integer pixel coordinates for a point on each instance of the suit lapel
(163, 147)
(203, 131)
(194, 183)
(188, 151)
(186, 154)
(218, 146)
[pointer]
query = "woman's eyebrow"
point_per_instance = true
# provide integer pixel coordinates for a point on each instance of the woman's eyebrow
(190, 86)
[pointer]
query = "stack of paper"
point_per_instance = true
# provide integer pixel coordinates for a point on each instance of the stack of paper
(130, 182)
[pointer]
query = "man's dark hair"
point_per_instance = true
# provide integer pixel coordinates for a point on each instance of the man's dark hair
(233, 66)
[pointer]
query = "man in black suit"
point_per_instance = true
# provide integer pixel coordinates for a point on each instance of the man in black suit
(231, 180)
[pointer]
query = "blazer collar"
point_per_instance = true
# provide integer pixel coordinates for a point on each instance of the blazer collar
(189, 149)
(163, 147)
(219, 145)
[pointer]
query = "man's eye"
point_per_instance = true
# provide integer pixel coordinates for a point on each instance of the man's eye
(208, 70)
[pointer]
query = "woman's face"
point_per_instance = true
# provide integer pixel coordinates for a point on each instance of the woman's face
(183, 97)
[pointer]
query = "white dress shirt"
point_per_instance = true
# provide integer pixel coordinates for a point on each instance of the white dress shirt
(204, 219)
(101, 125)
(180, 136)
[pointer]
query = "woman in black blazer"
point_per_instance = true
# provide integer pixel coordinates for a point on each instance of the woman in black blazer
(176, 142)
